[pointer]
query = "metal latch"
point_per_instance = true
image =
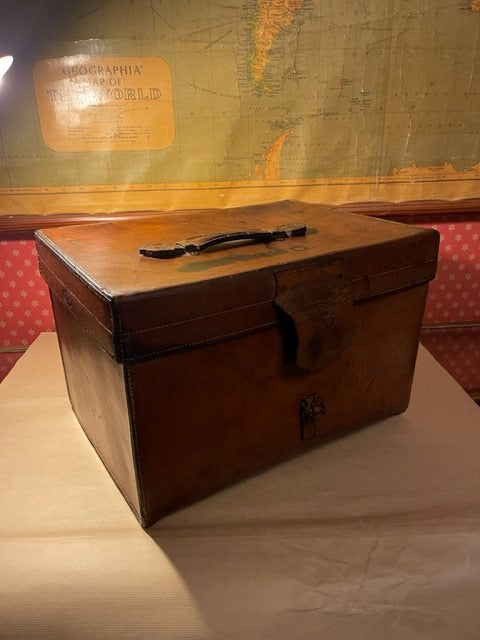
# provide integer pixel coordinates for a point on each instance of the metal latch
(310, 408)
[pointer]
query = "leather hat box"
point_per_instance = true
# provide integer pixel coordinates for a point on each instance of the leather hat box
(200, 347)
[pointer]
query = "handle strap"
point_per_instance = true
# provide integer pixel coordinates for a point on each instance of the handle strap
(194, 246)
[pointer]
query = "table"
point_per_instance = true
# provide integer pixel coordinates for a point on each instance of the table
(374, 535)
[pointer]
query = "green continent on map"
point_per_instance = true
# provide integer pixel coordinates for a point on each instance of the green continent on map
(271, 17)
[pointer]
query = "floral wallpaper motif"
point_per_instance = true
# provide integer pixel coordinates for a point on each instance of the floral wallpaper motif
(458, 351)
(7, 360)
(25, 309)
(454, 297)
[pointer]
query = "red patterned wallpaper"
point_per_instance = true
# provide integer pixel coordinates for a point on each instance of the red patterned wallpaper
(7, 360)
(458, 351)
(25, 309)
(454, 297)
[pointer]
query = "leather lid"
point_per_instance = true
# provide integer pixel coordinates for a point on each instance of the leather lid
(139, 307)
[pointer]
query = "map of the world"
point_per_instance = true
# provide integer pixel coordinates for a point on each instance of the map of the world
(226, 101)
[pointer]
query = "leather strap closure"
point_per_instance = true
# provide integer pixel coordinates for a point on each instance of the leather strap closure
(316, 314)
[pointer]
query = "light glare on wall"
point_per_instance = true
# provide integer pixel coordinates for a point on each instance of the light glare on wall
(5, 64)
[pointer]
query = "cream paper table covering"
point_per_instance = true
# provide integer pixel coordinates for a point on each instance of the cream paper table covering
(374, 535)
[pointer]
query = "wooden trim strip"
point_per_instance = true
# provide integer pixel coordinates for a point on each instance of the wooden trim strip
(21, 225)
(451, 325)
(16, 225)
(15, 348)
(416, 207)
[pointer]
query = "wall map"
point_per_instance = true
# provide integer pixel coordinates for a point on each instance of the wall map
(123, 105)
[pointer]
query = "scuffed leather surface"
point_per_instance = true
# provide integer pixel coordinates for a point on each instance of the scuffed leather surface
(189, 374)
(138, 307)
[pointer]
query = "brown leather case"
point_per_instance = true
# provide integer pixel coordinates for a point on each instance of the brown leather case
(251, 344)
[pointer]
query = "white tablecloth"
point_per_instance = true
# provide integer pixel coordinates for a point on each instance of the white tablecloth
(372, 536)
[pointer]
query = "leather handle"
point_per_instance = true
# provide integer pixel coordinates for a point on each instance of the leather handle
(194, 246)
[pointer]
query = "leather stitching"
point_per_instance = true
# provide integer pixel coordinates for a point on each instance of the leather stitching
(44, 266)
(204, 317)
(70, 266)
(202, 342)
(84, 328)
(142, 495)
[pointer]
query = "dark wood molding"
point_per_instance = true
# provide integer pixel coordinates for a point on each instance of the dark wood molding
(15, 348)
(416, 207)
(22, 225)
(451, 326)
(12, 226)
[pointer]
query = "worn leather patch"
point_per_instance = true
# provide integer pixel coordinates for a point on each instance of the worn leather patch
(316, 313)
